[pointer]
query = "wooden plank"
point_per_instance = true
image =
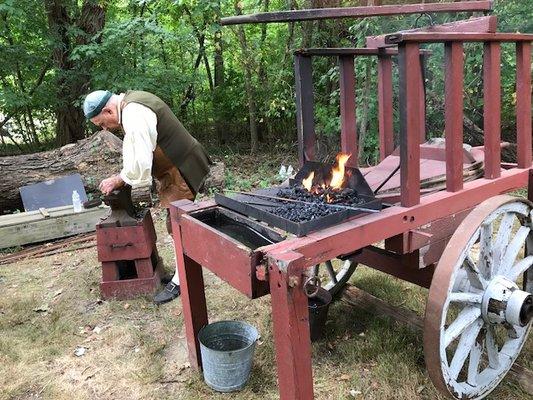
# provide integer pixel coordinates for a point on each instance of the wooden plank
(523, 104)
(347, 108)
(341, 51)
(61, 223)
(492, 109)
(192, 294)
(453, 115)
(409, 65)
(385, 109)
(481, 24)
(375, 306)
(356, 12)
(305, 124)
(290, 317)
(430, 37)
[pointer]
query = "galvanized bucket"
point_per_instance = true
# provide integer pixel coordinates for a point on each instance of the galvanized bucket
(227, 349)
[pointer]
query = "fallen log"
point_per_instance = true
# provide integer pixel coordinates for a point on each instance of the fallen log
(94, 158)
(364, 300)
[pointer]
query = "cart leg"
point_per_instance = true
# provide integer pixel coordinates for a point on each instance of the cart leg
(192, 298)
(290, 316)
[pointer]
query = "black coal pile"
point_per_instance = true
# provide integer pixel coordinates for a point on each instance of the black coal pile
(318, 204)
(298, 212)
(345, 197)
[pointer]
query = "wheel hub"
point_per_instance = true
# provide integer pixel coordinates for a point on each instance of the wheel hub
(503, 302)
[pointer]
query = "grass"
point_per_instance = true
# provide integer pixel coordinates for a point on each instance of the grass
(134, 350)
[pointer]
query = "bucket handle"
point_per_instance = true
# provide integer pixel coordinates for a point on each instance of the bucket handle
(311, 286)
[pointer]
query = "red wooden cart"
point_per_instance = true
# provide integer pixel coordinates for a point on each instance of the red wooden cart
(470, 244)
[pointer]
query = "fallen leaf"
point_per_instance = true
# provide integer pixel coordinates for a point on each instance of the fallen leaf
(97, 330)
(355, 393)
(80, 351)
(362, 334)
(126, 306)
(420, 389)
(344, 377)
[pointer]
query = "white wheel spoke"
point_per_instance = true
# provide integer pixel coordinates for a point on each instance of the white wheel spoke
(474, 276)
(466, 317)
(502, 238)
(513, 249)
(485, 251)
(472, 298)
(519, 268)
(465, 345)
(492, 348)
(473, 363)
(331, 271)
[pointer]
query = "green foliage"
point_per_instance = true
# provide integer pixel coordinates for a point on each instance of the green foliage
(167, 47)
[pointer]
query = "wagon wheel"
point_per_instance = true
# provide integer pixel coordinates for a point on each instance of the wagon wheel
(334, 274)
(477, 318)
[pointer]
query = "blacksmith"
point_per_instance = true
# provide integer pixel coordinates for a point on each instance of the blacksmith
(155, 145)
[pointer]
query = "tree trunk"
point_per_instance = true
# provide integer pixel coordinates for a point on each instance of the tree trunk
(72, 77)
(248, 85)
(94, 158)
(219, 82)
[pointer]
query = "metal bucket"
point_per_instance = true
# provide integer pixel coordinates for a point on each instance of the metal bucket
(318, 312)
(227, 349)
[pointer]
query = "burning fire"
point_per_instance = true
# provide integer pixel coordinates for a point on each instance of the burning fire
(337, 179)
(308, 182)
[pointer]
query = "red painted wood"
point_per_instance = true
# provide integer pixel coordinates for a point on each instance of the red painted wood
(109, 271)
(410, 128)
(355, 234)
(385, 110)
(131, 288)
(216, 246)
(356, 12)
(126, 242)
(481, 24)
(345, 51)
(144, 268)
(422, 101)
(305, 124)
(192, 294)
(347, 108)
(429, 37)
(394, 264)
(491, 109)
(523, 104)
(290, 317)
(453, 115)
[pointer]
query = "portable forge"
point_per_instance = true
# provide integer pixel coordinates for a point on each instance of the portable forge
(465, 241)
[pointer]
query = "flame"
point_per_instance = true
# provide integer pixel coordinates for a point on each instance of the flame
(308, 182)
(337, 172)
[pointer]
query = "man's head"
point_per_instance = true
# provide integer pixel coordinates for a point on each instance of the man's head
(100, 107)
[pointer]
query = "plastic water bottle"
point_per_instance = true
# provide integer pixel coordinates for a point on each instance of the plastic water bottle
(76, 201)
(282, 172)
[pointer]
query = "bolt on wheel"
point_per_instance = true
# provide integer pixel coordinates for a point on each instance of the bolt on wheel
(480, 307)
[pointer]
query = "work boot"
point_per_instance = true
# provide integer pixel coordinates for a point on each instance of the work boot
(169, 293)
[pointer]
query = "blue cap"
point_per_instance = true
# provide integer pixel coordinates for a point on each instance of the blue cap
(95, 102)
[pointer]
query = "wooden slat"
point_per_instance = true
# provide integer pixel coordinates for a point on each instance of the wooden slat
(428, 37)
(523, 104)
(340, 51)
(305, 123)
(422, 99)
(491, 109)
(356, 12)
(409, 64)
(453, 106)
(481, 24)
(385, 110)
(347, 108)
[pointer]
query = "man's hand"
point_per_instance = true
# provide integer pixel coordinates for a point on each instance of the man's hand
(110, 184)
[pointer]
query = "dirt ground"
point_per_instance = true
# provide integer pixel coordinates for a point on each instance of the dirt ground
(50, 308)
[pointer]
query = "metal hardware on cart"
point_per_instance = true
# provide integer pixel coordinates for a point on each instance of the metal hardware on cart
(315, 283)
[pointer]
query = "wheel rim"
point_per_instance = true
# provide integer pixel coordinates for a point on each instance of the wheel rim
(473, 328)
(334, 275)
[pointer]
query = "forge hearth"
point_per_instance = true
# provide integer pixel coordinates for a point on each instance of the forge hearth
(316, 209)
